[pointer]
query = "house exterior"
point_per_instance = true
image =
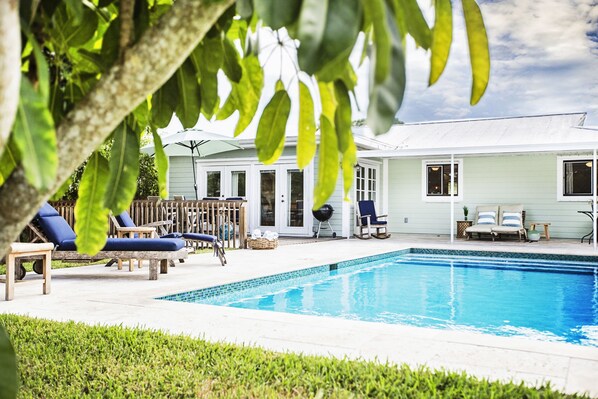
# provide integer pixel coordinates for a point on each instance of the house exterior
(544, 162)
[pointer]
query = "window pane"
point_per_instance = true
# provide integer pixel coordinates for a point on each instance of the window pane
(213, 184)
(447, 179)
(578, 177)
(238, 184)
(434, 180)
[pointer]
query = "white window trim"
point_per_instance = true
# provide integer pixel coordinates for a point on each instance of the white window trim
(424, 181)
(559, 179)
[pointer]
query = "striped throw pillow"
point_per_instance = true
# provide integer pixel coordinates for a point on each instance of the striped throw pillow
(511, 219)
(487, 217)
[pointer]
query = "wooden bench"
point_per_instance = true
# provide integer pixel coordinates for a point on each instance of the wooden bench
(532, 226)
(28, 250)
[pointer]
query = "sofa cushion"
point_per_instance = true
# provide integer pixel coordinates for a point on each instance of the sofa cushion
(132, 244)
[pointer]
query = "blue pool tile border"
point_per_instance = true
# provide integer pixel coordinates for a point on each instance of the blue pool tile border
(212, 292)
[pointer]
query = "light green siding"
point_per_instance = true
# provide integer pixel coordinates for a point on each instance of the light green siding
(180, 177)
(526, 179)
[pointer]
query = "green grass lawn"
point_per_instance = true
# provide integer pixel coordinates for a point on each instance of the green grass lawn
(70, 360)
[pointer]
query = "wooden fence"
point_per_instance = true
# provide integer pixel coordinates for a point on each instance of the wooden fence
(225, 219)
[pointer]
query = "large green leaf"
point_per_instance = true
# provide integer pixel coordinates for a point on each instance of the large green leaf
(328, 165)
(207, 59)
(91, 215)
(478, 49)
(386, 97)
(341, 27)
(269, 140)
(416, 23)
(74, 10)
(276, 13)
(43, 72)
(9, 379)
(248, 92)
(124, 169)
(35, 137)
(348, 164)
(306, 135)
(189, 104)
(442, 37)
(67, 33)
(245, 9)
(161, 161)
(310, 32)
(382, 38)
(342, 116)
(228, 108)
(209, 93)
(9, 160)
(231, 64)
(328, 100)
(110, 39)
(164, 102)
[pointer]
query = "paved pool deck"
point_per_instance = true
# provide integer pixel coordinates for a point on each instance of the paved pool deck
(107, 296)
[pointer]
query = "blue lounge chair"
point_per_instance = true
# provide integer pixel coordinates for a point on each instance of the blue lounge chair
(367, 219)
(123, 222)
(57, 230)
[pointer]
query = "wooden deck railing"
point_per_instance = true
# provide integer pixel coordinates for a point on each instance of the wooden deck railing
(225, 219)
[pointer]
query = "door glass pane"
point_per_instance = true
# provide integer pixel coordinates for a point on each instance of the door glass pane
(238, 182)
(213, 184)
(295, 198)
(268, 197)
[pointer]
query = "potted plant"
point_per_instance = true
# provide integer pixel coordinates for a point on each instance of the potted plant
(465, 212)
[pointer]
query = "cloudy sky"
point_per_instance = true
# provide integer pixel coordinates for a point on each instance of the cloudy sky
(544, 59)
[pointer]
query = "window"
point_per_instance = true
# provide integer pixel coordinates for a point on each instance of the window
(365, 182)
(213, 184)
(574, 176)
(436, 181)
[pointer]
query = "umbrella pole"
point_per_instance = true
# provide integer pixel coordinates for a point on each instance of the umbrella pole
(194, 177)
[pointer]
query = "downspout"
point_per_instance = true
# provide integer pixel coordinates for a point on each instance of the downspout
(594, 174)
(452, 198)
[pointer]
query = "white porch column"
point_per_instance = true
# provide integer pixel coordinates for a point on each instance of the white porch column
(346, 218)
(594, 174)
(385, 186)
(452, 198)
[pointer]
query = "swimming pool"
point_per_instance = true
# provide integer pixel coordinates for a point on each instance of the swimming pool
(545, 299)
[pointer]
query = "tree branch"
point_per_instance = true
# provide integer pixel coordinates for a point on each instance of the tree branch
(126, 26)
(10, 66)
(146, 67)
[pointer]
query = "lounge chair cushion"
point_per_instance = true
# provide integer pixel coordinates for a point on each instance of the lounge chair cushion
(172, 235)
(480, 228)
(131, 244)
(512, 219)
(200, 237)
(507, 229)
(487, 217)
(124, 220)
(56, 229)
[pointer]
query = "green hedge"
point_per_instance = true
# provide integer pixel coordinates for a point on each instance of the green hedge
(71, 360)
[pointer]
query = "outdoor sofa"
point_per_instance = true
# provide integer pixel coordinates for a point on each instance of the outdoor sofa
(157, 250)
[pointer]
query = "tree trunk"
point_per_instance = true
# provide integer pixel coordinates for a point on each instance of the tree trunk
(10, 66)
(146, 67)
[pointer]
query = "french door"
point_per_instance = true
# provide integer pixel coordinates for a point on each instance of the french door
(282, 207)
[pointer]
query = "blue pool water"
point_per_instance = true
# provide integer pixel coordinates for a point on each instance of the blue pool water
(542, 299)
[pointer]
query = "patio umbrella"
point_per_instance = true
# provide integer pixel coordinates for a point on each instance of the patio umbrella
(197, 143)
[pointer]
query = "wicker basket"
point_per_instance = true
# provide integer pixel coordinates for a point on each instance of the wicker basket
(262, 243)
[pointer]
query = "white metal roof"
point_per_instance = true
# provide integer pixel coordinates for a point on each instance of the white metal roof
(542, 133)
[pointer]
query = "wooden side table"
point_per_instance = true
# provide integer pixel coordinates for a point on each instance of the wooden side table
(22, 250)
(132, 232)
(461, 226)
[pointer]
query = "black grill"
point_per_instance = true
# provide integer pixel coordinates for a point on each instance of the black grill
(324, 213)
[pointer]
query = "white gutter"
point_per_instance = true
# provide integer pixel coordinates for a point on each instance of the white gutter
(486, 150)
